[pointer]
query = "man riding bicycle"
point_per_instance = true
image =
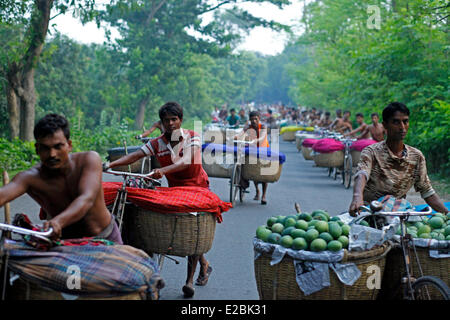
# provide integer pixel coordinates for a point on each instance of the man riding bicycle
(391, 167)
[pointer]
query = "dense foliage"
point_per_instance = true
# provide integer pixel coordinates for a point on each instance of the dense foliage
(111, 92)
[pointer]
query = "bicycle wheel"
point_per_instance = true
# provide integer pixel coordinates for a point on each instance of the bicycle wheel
(348, 172)
(330, 171)
(430, 288)
(241, 194)
(235, 183)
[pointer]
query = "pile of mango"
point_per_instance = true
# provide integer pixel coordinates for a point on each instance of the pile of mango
(435, 227)
(315, 231)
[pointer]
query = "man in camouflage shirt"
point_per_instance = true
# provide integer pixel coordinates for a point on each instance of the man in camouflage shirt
(391, 167)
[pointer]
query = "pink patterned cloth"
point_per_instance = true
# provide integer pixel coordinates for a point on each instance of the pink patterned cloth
(328, 146)
(359, 145)
(308, 143)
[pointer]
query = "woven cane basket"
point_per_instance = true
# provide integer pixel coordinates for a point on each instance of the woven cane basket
(216, 170)
(26, 290)
(289, 136)
(306, 152)
(356, 156)
(261, 170)
(332, 159)
(395, 270)
(278, 282)
(214, 136)
(178, 234)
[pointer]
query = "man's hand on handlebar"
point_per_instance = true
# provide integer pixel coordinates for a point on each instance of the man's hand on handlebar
(138, 137)
(57, 229)
(355, 206)
(105, 166)
(157, 174)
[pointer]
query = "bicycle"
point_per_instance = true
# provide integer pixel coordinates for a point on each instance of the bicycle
(347, 171)
(423, 287)
(146, 161)
(143, 181)
(235, 180)
(7, 229)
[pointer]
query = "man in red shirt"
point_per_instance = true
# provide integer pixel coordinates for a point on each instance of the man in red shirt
(179, 152)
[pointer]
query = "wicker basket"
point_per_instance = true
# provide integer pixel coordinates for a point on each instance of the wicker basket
(395, 270)
(178, 234)
(219, 168)
(306, 152)
(254, 169)
(332, 159)
(289, 136)
(26, 290)
(214, 136)
(356, 156)
(278, 282)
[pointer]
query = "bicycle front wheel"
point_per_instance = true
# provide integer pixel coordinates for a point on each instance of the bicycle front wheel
(430, 288)
(348, 172)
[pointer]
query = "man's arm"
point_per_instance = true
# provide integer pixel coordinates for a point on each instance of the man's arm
(128, 159)
(192, 155)
(88, 188)
(17, 187)
(361, 178)
(436, 203)
(363, 133)
(357, 200)
(351, 133)
(155, 126)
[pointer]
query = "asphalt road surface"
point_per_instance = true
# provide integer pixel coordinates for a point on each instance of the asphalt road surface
(231, 255)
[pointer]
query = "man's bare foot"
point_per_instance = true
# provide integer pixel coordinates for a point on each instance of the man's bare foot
(203, 276)
(188, 290)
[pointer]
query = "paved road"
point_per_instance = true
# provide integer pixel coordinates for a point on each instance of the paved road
(232, 253)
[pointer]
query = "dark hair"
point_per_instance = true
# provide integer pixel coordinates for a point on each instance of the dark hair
(338, 111)
(232, 109)
(374, 114)
(347, 111)
(359, 114)
(172, 108)
(392, 108)
(254, 114)
(49, 124)
(328, 113)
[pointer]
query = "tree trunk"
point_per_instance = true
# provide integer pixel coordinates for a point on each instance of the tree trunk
(140, 115)
(13, 111)
(22, 101)
(27, 104)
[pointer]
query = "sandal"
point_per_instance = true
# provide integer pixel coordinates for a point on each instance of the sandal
(202, 280)
(263, 202)
(188, 291)
(256, 198)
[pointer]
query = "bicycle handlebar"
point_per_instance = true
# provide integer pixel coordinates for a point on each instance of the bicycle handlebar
(377, 205)
(136, 175)
(38, 234)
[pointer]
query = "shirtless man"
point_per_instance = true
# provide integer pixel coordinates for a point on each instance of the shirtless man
(363, 128)
(346, 125)
(376, 129)
(337, 123)
(326, 121)
(67, 186)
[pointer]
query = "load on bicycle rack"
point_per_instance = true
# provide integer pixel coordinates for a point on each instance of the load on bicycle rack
(38, 268)
(405, 276)
(239, 160)
(156, 220)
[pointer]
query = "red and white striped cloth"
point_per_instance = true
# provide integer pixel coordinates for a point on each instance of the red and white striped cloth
(170, 200)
